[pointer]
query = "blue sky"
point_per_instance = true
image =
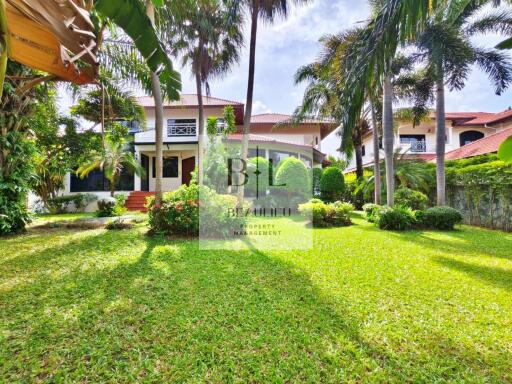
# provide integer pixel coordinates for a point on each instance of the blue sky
(288, 44)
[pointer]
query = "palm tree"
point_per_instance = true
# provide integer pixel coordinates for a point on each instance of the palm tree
(112, 161)
(209, 36)
(143, 59)
(321, 97)
(267, 10)
(445, 47)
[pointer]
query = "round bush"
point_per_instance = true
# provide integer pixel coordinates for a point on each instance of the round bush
(443, 218)
(293, 174)
(262, 165)
(396, 219)
(410, 198)
(332, 184)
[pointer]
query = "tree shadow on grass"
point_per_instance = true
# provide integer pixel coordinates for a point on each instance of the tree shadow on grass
(468, 241)
(174, 312)
(499, 277)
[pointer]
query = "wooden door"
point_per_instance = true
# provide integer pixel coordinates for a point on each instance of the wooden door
(187, 167)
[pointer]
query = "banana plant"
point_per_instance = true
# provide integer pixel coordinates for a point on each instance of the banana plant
(131, 17)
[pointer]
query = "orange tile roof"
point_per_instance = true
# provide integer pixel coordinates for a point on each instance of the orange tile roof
(188, 100)
(477, 118)
(488, 144)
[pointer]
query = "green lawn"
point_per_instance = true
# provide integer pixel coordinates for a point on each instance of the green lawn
(363, 306)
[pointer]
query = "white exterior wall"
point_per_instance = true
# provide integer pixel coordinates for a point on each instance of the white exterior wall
(428, 129)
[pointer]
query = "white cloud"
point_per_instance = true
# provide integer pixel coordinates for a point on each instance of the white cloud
(258, 107)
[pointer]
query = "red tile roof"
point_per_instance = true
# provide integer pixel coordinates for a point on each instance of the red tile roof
(488, 144)
(188, 100)
(477, 118)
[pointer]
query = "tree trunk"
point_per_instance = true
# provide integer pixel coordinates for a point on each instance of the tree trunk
(250, 91)
(200, 152)
(102, 116)
(359, 160)
(376, 158)
(159, 120)
(389, 139)
(440, 137)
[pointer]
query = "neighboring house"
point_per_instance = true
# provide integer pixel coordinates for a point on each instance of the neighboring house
(180, 138)
(463, 129)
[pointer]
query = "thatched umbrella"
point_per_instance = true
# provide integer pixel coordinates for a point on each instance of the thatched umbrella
(49, 35)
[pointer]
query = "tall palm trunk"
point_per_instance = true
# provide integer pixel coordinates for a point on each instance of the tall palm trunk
(159, 120)
(200, 152)
(389, 139)
(359, 160)
(250, 90)
(440, 137)
(376, 157)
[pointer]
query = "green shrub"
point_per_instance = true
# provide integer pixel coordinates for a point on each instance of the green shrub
(118, 225)
(396, 219)
(410, 198)
(106, 207)
(332, 184)
(179, 213)
(120, 209)
(292, 174)
(327, 215)
(316, 176)
(443, 218)
(262, 165)
(371, 211)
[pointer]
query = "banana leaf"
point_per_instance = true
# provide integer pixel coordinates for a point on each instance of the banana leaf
(131, 17)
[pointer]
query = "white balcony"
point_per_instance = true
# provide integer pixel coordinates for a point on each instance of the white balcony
(181, 129)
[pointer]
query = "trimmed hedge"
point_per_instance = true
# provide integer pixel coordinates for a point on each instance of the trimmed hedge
(332, 184)
(443, 218)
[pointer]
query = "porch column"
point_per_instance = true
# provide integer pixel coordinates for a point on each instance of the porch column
(137, 181)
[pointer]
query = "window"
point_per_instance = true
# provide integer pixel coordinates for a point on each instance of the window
(469, 136)
(96, 182)
(277, 156)
(363, 149)
(170, 167)
(253, 152)
(418, 142)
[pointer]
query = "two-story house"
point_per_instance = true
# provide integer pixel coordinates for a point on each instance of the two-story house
(180, 138)
(462, 129)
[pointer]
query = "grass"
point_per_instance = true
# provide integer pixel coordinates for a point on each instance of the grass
(363, 306)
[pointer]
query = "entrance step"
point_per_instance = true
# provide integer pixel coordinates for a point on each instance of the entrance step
(137, 201)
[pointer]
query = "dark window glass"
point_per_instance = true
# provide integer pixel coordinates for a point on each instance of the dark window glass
(364, 150)
(470, 136)
(255, 153)
(406, 139)
(170, 167)
(96, 182)
(277, 156)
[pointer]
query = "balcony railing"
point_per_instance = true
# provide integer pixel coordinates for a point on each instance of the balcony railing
(418, 146)
(181, 129)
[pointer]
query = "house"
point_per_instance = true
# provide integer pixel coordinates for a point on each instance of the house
(463, 129)
(271, 135)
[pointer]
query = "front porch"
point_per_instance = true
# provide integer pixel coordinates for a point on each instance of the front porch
(178, 165)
